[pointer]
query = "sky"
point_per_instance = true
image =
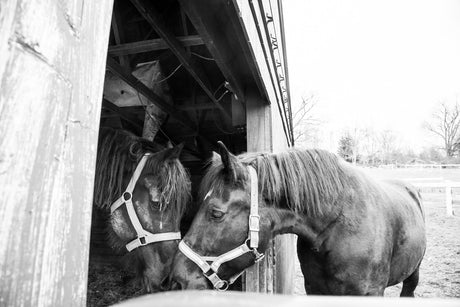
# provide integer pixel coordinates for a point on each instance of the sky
(384, 64)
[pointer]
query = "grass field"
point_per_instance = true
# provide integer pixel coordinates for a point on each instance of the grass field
(440, 269)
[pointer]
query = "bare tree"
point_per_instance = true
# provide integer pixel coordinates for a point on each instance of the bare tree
(387, 139)
(305, 122)
(370, 145)
(445, 123)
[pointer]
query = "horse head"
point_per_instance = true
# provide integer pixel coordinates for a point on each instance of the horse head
(227, 235)
(145, 218)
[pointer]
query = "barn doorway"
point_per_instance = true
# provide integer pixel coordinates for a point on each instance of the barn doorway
(162, 83)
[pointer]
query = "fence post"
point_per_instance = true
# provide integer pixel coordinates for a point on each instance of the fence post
(449, 208)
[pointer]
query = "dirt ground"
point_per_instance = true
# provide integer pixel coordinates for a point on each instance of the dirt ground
(440, 269)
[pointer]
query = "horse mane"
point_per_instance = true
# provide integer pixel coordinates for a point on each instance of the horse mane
(118, 155)
(306, 181)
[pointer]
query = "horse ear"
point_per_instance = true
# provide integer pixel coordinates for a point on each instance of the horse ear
(228, 160)
(171, 153)
(176, 151)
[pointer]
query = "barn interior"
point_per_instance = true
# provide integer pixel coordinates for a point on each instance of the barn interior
(177, 72)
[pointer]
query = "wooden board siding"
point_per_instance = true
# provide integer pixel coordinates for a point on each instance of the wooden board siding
(259, 138)
(52, 71)
(285, 245)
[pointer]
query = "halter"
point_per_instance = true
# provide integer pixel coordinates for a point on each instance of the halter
(210, 270)
(144, 237)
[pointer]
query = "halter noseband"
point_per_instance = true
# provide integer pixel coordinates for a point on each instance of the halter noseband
(144, 237)
(210, 270)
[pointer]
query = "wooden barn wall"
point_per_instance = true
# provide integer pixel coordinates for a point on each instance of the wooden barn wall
(52, 71)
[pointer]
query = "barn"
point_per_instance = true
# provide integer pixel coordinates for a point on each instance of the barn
(219, 72)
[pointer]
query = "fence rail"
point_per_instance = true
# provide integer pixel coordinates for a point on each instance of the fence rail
(448, 186)
(428, 165)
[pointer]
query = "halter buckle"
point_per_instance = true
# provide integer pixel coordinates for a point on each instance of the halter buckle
(254, 220)
(259, 256)
(142, 240)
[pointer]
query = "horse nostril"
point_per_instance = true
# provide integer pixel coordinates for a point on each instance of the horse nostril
(165, 284)
(175, 285)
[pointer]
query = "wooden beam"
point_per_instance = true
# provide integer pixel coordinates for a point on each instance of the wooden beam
(155, 20)
(118, 33)
(133, 120)
(259, 138)
(200, 106)
(152, 45)
(116, 69)
(217, 44)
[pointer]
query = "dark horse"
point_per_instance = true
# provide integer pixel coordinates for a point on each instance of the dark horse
(146, 191)
(356, 236)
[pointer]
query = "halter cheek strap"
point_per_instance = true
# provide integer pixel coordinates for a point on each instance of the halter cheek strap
(249, 246)
(144, 237)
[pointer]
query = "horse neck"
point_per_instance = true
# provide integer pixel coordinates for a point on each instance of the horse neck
(310, 228)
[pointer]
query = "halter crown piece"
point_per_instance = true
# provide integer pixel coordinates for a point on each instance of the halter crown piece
(210, 269)
(144, 237)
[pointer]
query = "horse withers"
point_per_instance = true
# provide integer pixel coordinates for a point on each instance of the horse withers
(356, 236)
(146, 191)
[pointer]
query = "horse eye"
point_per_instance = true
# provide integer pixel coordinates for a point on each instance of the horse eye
(155, 204)
(217, 214)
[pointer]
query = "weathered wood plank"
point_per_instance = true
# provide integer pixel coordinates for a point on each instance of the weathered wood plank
(259, 138)
(284, 246)
(152, 45)
(52, 71)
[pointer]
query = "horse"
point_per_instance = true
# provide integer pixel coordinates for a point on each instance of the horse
(356, 235)
(146, 190)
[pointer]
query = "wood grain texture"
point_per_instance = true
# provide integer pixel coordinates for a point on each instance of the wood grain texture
(264, 133)
(259, 138)
(285, 245)
(52, 72)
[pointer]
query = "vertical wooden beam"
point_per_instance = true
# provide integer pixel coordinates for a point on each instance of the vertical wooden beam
(118, 34)
(449, 207)
(49, 120)
(284, 246)
(259, 138)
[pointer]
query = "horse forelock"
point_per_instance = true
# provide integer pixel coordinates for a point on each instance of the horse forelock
(307, 181)
(173, 183)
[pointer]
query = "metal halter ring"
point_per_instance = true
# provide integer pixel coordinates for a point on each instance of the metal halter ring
(222, 285)
(127, 196)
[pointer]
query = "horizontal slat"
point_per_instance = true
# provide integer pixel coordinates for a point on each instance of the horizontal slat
(437, 184)
(152, 45)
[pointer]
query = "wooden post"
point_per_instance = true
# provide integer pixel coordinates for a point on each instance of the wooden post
(52, 73)
(449, 207)
(259, 138)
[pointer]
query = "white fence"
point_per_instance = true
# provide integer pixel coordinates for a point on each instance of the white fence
(447, 185)
(427, 165)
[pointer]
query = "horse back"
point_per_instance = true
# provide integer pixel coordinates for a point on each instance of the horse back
(411, 191)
